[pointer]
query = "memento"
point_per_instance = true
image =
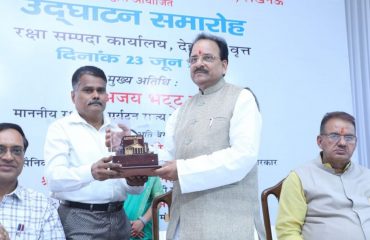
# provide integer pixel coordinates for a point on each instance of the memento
(134, 157)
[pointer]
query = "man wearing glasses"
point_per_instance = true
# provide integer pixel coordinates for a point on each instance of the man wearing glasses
(213, 142)
(24, 213)
(328, 198)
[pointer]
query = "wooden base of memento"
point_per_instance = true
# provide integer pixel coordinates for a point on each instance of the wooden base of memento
(146, 159)
(137, 165)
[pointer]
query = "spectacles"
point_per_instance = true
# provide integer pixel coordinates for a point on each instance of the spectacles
(16, 151)
(335, 137)
(207, 58)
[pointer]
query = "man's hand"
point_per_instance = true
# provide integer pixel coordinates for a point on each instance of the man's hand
(3, 233)
(168, 171)
(126, 131)
(104, 169)
(114, 138)
(136, 180)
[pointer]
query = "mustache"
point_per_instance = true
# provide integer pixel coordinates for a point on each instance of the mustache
(200, 70)
(95, 102)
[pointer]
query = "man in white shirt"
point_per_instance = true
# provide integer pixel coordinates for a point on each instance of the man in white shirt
(214, 138)
(78, 167)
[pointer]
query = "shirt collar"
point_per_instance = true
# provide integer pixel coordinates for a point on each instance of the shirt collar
(214, 88)
(76, 118)
(17, 193)
(331, 169)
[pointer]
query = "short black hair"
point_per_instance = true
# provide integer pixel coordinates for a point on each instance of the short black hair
(221, 43)
(5, 126)
(91, 70)
(340, 115)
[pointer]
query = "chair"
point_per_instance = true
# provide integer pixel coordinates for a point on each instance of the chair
(275, 190)
(164, 198)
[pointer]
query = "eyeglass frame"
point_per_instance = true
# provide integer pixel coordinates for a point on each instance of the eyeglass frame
(336, 137)
(15, 151)
(208, 58)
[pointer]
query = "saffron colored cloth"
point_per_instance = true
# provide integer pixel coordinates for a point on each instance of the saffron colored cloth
(349, 208)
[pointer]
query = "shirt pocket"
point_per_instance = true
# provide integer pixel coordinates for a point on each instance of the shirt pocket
(217, 127)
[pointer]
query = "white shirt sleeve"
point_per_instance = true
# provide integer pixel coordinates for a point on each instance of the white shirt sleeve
(168, 153)
(71, 148)
(227, 165)
(61, 176)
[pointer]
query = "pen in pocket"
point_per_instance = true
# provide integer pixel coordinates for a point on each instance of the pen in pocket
(210, 122)
(20, 229)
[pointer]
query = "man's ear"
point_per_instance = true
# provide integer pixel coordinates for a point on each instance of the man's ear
(73, 96)
(319, 141)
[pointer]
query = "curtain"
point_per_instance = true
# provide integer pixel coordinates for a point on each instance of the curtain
(358, 33)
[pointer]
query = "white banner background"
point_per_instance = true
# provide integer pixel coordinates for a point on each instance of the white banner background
(297, 65)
